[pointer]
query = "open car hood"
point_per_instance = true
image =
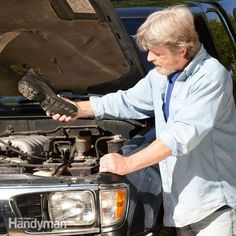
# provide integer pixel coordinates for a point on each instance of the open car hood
(80, 46)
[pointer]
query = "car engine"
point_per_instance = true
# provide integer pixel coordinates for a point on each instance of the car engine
(64, 151)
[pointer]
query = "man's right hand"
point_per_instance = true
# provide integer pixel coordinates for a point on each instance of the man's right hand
(84, 110)
(64, 117)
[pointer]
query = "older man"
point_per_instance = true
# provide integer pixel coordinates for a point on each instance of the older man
(190, 95)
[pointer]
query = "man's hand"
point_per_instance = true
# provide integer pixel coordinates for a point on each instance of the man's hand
(150, 155)
(64, 117)
(115, 163)
(84, 110)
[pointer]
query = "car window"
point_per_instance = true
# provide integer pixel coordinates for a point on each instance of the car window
(204, 34)
(131, 25)
(223, 42)
(234, 11)
(232, 19)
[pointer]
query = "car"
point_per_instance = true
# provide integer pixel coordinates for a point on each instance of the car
(49, 179)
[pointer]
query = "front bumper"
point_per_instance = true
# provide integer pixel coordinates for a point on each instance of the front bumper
(21, 206)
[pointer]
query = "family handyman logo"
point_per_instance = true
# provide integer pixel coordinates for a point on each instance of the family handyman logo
(34, 224)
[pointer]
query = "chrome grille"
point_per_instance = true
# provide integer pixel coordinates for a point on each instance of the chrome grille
(3, 230)
(30, 206)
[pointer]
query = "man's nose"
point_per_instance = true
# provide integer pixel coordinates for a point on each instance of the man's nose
(150, 56)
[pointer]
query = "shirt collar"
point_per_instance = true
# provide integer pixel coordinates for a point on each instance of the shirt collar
(173, 77)
(194, 64)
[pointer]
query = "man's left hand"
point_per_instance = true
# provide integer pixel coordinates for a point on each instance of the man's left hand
(115, 163)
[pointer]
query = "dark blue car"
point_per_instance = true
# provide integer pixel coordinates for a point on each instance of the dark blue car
(49, 179)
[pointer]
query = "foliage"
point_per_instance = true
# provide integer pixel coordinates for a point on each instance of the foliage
(223, 45)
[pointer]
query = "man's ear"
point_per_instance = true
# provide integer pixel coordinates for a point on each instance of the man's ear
(183, 51)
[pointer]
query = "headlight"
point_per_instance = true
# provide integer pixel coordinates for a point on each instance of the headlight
(113, 205)
(73, 208)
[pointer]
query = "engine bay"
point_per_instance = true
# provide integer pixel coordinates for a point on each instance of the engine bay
(63, 151)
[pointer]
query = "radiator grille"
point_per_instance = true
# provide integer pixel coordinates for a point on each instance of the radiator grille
(32, 206)
(3, 230)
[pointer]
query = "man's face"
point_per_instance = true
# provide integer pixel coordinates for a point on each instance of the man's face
(165, 61)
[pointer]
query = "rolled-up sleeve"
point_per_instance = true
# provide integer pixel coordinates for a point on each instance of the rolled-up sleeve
(198, 114)
(134, 103)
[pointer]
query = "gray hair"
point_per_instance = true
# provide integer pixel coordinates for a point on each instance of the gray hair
(173, 27)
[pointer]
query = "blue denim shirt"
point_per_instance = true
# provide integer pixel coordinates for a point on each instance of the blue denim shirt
(200, 176)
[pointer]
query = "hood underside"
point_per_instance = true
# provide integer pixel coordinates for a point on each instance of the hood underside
(80, 46)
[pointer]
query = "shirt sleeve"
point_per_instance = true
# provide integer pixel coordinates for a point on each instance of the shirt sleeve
(204, 106)
(134, 103)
